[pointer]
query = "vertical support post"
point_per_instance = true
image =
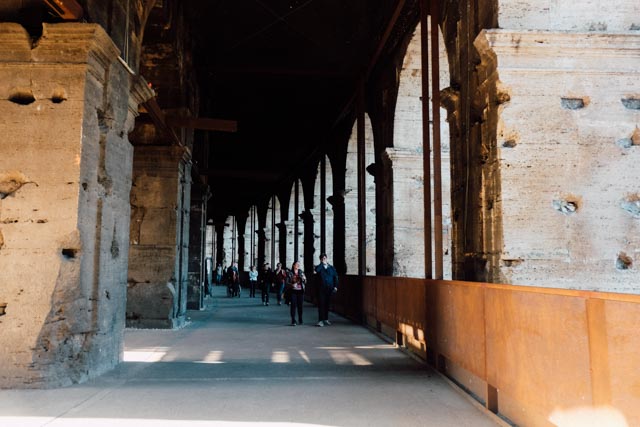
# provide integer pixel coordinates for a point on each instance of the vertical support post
(426, 142)
(253, 236)
(233, 239)
(323, 205)
(273, 231)
(437, 149)
(362, 196)
(296, 251)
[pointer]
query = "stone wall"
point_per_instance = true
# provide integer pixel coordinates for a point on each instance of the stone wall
(158, 266)
(568, 141)
(65, 175)
(406, 165)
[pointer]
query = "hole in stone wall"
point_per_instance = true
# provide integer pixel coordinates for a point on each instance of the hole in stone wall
(510, 143)
(3, 308)
(22, 96)
(69, 253)
(58, 96)
(631, 103)
(631, 204)
(574, 103)
(624, 262)
(629, 142)
(566, 205)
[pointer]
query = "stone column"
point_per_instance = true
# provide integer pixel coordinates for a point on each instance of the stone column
(65, 176)
(337, 203)
(282, 243)
(241, 224)
(261, 245)
(197, 238)
(309, 240)
(289, 230)
(406, 187)
(569, 148)
(156, 296)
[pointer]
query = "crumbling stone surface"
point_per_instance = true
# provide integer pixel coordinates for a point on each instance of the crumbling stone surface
(59, 276)
(156, 292)
(615, 15)
(405, 164)
(563, 153)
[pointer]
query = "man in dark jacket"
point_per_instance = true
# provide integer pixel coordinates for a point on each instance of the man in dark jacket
(327, 279)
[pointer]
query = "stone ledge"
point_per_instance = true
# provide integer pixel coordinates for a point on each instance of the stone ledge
(562, 51)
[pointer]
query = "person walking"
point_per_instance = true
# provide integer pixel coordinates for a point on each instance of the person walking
(253, 281)
(233, 280)
(280, 276)
(327, 278)
(296, 282)
(265, 278)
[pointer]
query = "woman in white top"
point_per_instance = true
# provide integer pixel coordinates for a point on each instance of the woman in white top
(253, 281)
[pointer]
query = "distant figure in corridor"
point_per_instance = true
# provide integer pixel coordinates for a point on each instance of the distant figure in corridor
(233, 280)
(280, 277)
(327, 280)
(265, 278)
(296, 281)
(253, 281)
(219, 274)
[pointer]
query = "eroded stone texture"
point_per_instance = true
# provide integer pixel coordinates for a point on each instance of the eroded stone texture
(567, 185)
(158, 262)
(63, 275)
(586, 15)
(406, 165)
(351, 203)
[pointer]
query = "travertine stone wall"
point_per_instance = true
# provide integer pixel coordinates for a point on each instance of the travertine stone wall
(585, 15)
(159, 241)
(569, 151)
(406, 165)
(351, 202)
(65, 176)
(197, 237)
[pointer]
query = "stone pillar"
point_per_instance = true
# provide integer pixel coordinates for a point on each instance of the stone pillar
(261, 245)
(65, 176)
(337, 204)
(241, 224)
(569, 148)
(289, 230)
(197, 238)
(406, 184)
(282, 243)
(156, 295)
(219, 255)
(309, 240)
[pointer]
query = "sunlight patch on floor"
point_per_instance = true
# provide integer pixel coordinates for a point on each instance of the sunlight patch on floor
(110, 422)
(145, 355)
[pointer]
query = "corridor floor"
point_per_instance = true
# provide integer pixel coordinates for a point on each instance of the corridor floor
(239, 363)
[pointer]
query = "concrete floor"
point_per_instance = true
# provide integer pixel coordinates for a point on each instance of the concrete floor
(240, 363)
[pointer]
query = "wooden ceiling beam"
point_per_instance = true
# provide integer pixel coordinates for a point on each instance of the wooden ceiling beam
(69, 10)
(202, 123)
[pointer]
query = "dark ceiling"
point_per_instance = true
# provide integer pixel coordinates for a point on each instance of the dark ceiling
(285, 70)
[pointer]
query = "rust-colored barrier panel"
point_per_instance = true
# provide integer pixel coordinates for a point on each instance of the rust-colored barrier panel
(622, 321)
(537, 353)
(369, 298)
(410, 298)
(460, 324)
(386, 300)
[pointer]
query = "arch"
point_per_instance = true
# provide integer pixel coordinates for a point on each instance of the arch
(351, 202)
(328, 211)
(406, 165)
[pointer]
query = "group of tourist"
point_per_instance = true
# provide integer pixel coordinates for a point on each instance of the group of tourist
(290, 286)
